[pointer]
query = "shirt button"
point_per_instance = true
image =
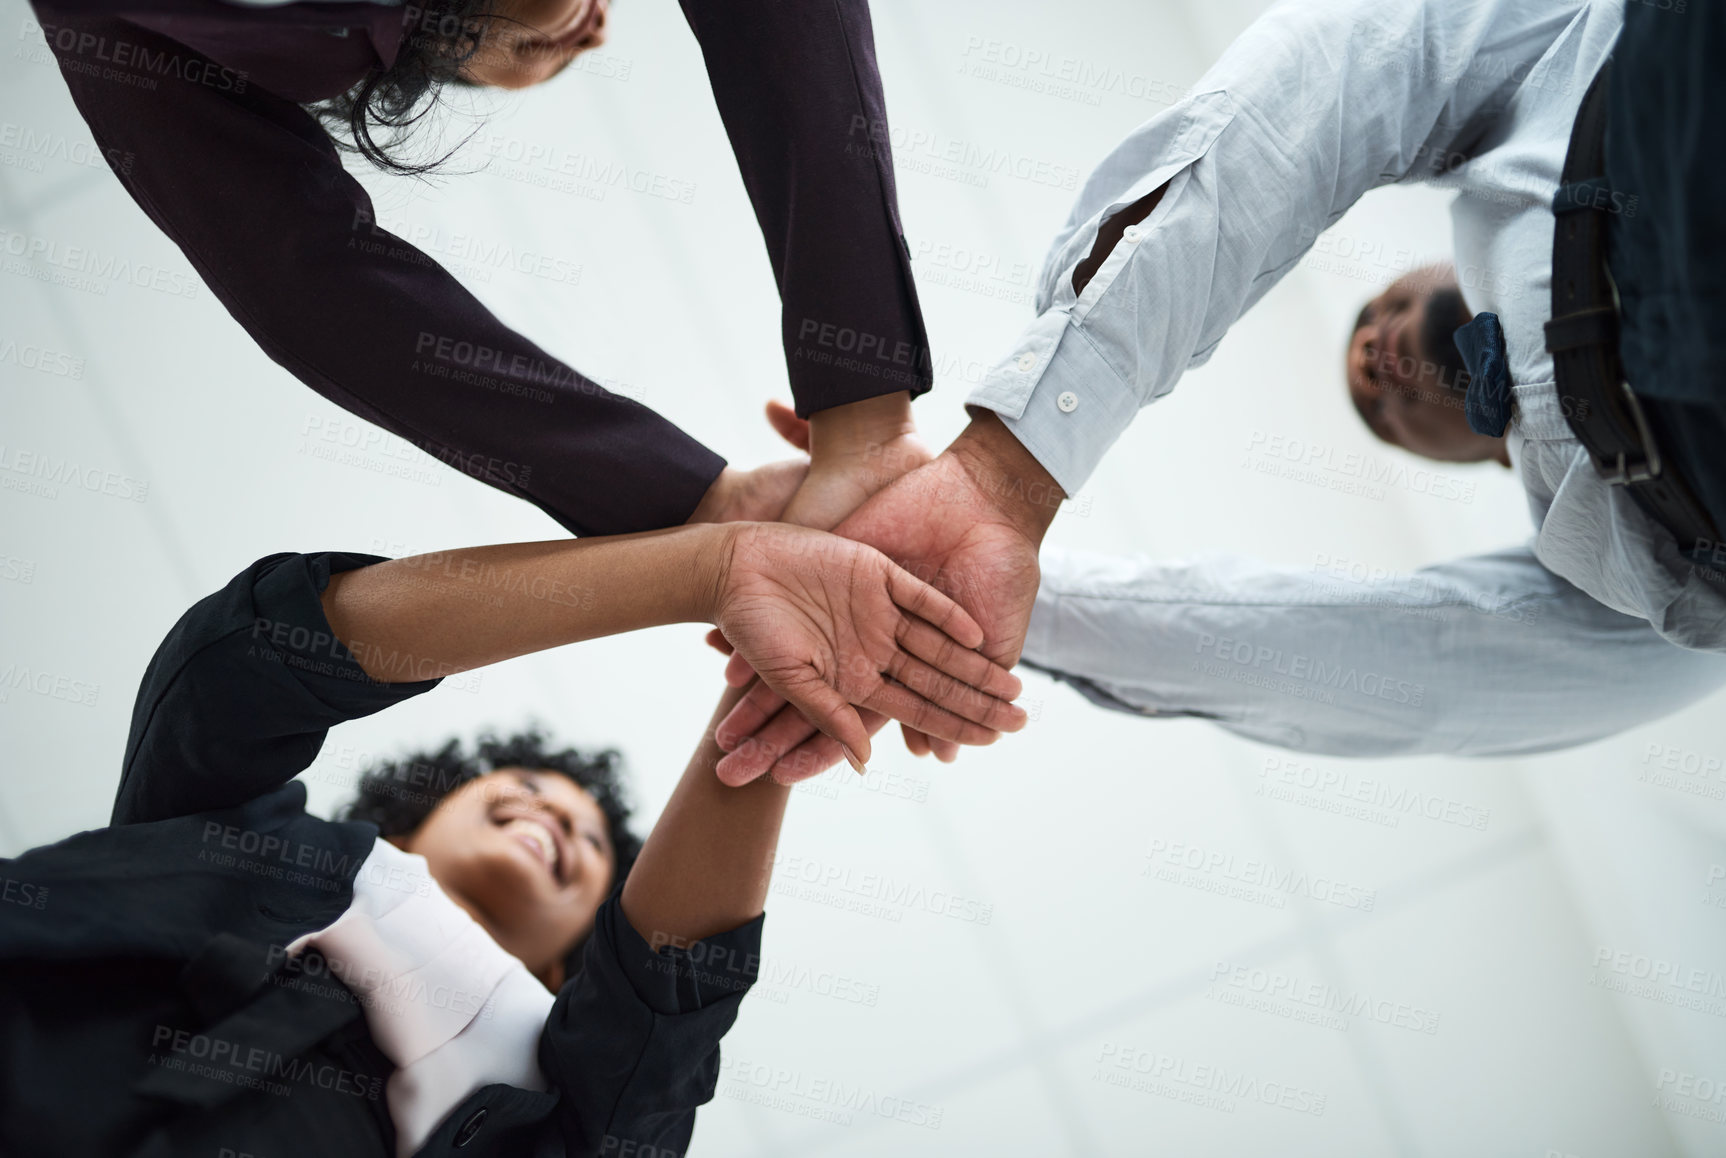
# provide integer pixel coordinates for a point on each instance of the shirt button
(1068, 402)
(1132, 233)
(1026, 361)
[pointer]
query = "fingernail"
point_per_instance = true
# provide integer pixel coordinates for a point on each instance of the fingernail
(851, 758)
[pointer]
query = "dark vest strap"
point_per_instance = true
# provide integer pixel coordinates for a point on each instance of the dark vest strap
(1600, 407)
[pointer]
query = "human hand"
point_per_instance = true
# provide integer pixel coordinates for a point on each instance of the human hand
(824, 619)
(970, 522)
(753, 496)
(854, 451)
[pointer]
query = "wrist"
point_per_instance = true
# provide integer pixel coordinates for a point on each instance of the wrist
(1012, 481)
(850, 431)
(713, 504)
(712, 555)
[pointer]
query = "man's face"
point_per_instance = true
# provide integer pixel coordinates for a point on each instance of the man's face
(1405, 394)
(530, 41)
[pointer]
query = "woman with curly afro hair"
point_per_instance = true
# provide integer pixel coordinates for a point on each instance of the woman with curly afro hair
(479, 957)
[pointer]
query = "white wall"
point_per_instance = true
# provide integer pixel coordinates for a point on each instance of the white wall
(992, 1030)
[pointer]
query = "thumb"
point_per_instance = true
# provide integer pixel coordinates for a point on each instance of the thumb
(737, 671)
(791, 428)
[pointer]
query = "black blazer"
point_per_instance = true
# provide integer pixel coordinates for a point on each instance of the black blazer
(147, 1006)
(254, 193)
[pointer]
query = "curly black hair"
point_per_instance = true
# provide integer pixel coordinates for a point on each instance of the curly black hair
(399, 795)
(377, 115)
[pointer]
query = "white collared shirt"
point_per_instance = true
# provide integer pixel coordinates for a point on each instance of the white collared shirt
(1315, 104)
(445, 1002)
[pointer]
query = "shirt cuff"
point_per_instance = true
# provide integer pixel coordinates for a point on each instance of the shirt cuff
(1060, 398)
(682, 978)
(833, 365)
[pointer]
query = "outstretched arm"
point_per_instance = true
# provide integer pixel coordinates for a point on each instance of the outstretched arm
(706, 866)
(827, 622)
(632, 1043)
(800, 94)
(241, 693)
(1198, 212)
(1491, 655)
(252, 190)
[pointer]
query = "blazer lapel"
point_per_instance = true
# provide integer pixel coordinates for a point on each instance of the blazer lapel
(262, 1041)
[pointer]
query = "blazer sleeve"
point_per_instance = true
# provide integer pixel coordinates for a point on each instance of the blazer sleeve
(238, 698)
(252, 190)
(632, 1043)
(800, 93)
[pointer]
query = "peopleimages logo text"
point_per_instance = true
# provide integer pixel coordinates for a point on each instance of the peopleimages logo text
(1295, 665)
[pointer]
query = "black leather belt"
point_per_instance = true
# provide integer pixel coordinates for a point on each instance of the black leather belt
(1599, 405)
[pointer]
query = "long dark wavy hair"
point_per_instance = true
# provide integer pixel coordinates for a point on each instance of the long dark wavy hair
(376, 116)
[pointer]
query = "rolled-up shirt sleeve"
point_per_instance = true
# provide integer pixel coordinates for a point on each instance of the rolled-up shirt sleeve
(241, 693)
(1487, 656)
(632, 1043)
(1315, 104)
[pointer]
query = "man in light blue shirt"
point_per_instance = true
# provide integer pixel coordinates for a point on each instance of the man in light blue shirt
(1599, 623)
(1487, 656)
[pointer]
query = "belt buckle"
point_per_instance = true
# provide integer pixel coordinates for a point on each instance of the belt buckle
(1625, 472)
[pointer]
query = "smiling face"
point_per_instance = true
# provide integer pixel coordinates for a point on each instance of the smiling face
(528, 854)
(1404, 377)
(530, 41)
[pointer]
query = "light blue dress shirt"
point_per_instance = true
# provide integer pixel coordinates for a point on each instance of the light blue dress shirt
(1315, 104)
(1488, 656)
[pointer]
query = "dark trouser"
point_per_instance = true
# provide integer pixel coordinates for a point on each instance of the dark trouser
(1666, 147)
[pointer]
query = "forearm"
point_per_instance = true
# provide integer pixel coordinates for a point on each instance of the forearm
(1233, 185)
(253, 192)
(1487, 656)
(706, 866)
(632, 1043)
(450, 611)
(799, 92)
